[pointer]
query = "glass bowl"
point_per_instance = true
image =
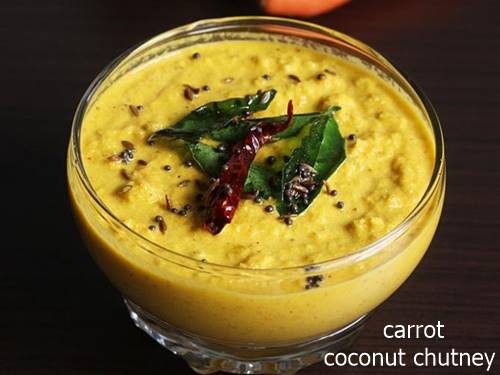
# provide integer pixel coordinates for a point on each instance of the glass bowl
(221, 318)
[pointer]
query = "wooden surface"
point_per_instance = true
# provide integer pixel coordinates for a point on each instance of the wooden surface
(58, 314)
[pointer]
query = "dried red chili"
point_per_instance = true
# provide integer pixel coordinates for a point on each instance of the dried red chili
(226, 194)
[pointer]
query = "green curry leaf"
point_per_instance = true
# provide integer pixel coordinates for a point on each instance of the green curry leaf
(260, 181)
(233, 133)
(215, 115)
(208, 159)
(323, 149)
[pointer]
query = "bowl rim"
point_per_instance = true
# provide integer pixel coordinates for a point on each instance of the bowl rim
(201, 26)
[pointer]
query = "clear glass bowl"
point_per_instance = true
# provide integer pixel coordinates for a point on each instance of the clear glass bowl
(225, 318)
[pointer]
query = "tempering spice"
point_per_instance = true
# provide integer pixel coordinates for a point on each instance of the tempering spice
(115, 158)
(128, 145)
(183, 183)
(163, 226)
(311, 268)
(300, 186)
(190, 92)
(168, 202)
(321, 76)
(269, 209)
(126, 175)
(313, 281)
(126, 155)
(135, 109)
(124, 189)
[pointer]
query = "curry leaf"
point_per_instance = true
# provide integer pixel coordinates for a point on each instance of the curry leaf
(302, 120)
(233, 133)
(215, 115)
(323, 149)
(207, 158)
(260, 180)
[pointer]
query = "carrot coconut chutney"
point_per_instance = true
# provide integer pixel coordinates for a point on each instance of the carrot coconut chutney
(255, 155)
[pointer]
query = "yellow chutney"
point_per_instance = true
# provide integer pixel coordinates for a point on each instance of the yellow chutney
(247, 285)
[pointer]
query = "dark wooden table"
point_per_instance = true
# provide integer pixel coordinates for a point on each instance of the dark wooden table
(58, 314)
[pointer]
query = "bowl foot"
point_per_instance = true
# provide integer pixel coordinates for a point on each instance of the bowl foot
(207, 358)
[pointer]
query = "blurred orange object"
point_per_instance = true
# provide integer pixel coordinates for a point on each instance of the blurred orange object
(300, 8)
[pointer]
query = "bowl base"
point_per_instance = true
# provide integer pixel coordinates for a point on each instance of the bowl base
(206, 358)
